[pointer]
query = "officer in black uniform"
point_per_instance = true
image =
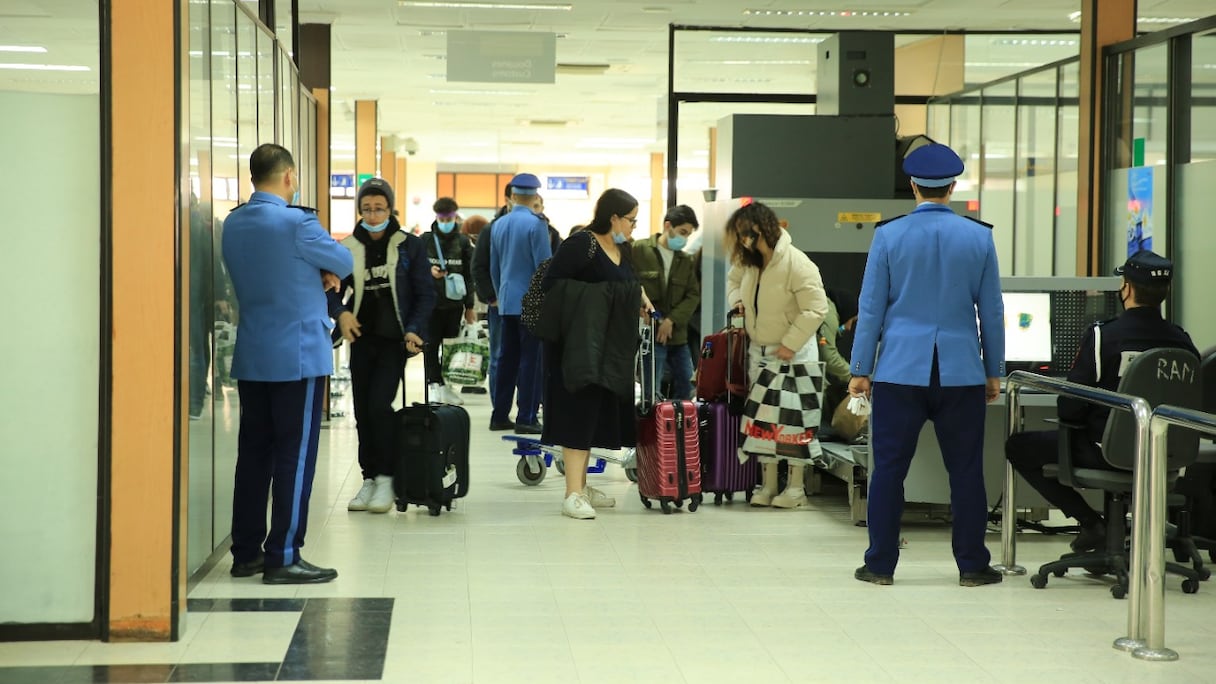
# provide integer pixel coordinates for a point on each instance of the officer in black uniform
(1106, 350)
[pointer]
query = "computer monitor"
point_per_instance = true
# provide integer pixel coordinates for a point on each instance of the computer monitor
(1027, 328)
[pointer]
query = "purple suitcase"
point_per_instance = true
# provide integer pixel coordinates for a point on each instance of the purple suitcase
(721, 472)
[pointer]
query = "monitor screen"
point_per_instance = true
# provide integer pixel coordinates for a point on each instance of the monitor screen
(1027, 327)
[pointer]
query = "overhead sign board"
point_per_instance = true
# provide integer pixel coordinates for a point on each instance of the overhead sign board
(502, 56)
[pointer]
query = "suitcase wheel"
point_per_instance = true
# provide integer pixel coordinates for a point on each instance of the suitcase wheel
(632, 474)
(401, 506)
(645, 501)
(748, 496)
(434, 511)
(718, 499)
(694, 503)
(730, 496)
(527, 475)
(666, 506)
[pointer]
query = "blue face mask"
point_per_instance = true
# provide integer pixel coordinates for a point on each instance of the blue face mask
(446, 227)
(377, 228)
(619, 239)
(676, 242)
(295, 198)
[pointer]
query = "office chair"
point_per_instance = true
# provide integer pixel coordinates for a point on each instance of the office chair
(1199, 482)
(1160, 376)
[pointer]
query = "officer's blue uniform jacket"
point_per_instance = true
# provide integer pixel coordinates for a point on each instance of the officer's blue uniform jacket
(275, 255)
(927, 275)
(520, 241)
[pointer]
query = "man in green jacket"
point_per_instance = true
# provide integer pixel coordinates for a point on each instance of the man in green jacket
(669, 277)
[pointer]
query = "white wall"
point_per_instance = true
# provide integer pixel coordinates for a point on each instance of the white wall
(49, 201)
(1196, 280)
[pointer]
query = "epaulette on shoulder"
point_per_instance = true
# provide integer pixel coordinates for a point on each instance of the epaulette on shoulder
(986, 225)
(1098, 324)
(237, 207)
(297, 206)
(880, 224)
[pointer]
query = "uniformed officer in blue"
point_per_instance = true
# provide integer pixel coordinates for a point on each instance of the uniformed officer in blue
(519, 242)
(927, 275)
(279, 256)
(1106, 350)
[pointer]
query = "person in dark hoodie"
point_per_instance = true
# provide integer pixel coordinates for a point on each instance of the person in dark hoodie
(450, 252)
(383, 310)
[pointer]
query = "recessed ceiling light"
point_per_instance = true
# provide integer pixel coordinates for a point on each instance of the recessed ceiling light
(848, 14)
(492, 93)
(44, 67)
(455, 4)
(1165, 20)
(22, 48)
(766, 39)
(1036, 42)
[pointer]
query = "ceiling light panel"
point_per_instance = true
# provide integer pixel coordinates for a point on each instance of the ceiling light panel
(843, 14)
(22, 48)
(454, 4)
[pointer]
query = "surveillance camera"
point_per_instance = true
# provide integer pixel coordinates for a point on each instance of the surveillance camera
(410, 145)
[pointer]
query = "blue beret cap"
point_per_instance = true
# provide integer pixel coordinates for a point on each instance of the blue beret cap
(1146, 267)
(525, 184)
(933, 166)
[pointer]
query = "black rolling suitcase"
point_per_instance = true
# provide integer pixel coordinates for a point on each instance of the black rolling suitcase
(432, 467)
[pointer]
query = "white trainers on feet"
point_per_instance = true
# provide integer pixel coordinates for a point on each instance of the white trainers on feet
(576, 506)
(451, 396)
(383, 497)
(359, 503)
(435, 394)
(598, 499)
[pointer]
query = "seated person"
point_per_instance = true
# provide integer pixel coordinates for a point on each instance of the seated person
(836, 365)
(1106, 350)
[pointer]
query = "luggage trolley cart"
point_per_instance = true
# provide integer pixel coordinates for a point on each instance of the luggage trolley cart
(535, 459)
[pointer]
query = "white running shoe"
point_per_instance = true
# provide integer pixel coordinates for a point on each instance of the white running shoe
(576, 506)
(383, 498)
(451, 396)
(435, 394)
(364, 497)
(598, 499)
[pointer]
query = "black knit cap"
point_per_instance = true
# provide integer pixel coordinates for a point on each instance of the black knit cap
(375, 186)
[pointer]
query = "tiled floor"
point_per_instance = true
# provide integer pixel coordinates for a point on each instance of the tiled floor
(505, 589)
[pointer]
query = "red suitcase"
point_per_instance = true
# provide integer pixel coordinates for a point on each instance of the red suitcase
(668, 451)
(721, 473)
(722, 368)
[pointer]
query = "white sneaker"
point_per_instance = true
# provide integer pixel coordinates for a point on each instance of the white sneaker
(359, 503)
(383, 498)
(576, 506)
(435, 393)
(598, 499)
(452, 397)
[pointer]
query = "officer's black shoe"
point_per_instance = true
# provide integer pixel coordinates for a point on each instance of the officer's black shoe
(863, 573)
(300, 572)
(249, 568)
(528, 429)
(1092, 537)
(979, 578)
(501, 425)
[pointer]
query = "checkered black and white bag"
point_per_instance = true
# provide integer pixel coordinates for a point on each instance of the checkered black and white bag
(782, 413)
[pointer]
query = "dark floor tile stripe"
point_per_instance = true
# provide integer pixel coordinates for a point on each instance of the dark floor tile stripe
(225, 672)
(339, 639)
(246, 605)
(86, 674)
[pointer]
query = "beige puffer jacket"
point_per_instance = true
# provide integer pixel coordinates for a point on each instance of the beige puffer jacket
(789, 294)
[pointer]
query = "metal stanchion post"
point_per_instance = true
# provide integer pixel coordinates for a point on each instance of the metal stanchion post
(1152, 613)
(1136, 562)
(1009, 511)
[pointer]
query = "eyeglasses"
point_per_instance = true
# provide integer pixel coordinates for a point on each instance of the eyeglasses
(633, 220)
(368, 211)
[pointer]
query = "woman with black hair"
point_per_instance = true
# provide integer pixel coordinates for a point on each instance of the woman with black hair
(589, 368)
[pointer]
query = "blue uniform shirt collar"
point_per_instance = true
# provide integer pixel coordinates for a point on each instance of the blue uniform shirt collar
(932, 206)
(262, 196)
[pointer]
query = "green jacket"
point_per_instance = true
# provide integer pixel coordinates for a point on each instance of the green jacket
(837, 367)
(677, 298)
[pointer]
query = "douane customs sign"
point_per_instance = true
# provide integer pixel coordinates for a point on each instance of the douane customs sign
(502, 56)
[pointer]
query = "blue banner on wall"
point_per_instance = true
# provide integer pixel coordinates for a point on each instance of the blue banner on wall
(1139, 209)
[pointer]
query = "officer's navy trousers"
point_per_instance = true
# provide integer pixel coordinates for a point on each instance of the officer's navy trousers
(276, 457)
(518, 368)
(898, 413)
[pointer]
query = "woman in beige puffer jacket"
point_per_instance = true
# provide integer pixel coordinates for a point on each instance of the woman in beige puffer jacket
(779, 292)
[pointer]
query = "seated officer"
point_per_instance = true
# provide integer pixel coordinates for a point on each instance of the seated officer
(1106, 350)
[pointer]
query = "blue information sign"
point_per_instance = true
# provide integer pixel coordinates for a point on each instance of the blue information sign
(570, 183)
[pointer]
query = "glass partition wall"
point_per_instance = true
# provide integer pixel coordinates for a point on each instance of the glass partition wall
(1018, 139)
(1160, 144)
(244, 91)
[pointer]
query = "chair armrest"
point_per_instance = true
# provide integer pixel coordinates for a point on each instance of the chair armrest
(1069, 432)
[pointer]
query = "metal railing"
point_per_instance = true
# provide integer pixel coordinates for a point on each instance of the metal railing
(1149, 519)
(1144, 501)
